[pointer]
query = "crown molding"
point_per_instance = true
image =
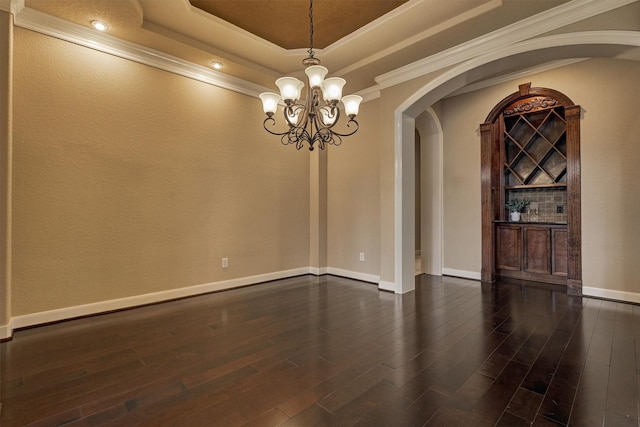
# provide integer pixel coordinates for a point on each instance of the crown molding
(43, 23)
(498, 40)
(516, 75)
(558, 17)
(485, 8)
(12, 6)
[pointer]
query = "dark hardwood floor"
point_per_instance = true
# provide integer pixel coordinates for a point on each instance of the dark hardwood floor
(330, 351)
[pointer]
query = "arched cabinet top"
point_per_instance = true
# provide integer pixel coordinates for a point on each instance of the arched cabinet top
(532, 98)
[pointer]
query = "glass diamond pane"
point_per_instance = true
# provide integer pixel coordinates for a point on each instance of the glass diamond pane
(538, 147)
(555, 164)
(511, 179)
(539, 177)
(524, 167)
(537, 118)
(552, 128)
(512, 150)
(561, 145)
(521, 131)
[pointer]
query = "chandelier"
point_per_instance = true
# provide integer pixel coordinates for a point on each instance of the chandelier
(311, 122)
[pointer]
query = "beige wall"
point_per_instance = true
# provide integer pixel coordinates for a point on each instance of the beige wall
(609, 94)
(353, 197)
(130, 180)
(6, 146)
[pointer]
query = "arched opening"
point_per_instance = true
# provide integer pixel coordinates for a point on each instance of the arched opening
(429, 194)
(519, 56)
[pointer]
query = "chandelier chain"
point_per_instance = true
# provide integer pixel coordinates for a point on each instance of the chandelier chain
(310, 51)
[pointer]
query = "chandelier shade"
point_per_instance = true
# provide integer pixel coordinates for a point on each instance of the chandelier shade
(311, 121)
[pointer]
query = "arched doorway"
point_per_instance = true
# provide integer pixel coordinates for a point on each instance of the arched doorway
(519, 56)
(429, 193)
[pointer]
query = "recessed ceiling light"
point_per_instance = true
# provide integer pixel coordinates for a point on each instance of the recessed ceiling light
(216, 65)
(99, 25)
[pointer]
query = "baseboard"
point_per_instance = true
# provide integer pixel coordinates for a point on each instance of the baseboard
(632, 297)
(34, 319)
(386, 286)
(473, 275)
(6, 331)
(318, 271)
(57, 315)
(353, 275)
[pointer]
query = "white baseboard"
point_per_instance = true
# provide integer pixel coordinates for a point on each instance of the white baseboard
(33, 319)
(6, 331)
(318, 271)
(27, 320)
(473, 275)
(353, 275)
(386, 286)
(611, 294)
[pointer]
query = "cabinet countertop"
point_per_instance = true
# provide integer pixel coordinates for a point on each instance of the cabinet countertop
(529, 222)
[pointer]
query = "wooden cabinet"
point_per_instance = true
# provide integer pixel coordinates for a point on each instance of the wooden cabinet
(532, 251)
(531, 149)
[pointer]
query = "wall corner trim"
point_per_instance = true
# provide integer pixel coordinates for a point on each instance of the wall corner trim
(473, 275)
(364, 277)
(623, 296)
(387, 286)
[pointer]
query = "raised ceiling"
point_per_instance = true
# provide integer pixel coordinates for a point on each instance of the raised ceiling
(358, 43)
(279, 22)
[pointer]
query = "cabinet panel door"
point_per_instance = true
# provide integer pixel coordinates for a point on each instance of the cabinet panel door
(559, 249)
(537, 250)
(508, 247)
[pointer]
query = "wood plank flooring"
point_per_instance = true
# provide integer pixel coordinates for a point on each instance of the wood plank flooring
(329, 351)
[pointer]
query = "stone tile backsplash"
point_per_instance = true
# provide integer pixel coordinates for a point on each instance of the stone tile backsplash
(543, 204)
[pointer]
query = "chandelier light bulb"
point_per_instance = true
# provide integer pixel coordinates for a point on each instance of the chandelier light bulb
(316, 75)
(351, 104)
(332, 88)
(290, 88)
(327, 118)
(269, 102)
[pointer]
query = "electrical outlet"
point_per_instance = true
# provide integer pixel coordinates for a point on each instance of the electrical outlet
(361, 256)
(559, 209)
(225, 262)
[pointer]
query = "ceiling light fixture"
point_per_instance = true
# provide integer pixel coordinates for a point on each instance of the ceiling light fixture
(216, 65)
(313, 121)
(99, 25)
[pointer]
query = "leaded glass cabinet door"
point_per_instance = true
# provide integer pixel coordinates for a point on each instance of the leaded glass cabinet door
(535, 147)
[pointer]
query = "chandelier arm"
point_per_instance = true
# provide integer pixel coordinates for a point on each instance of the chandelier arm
(272, 120)
(349, 133)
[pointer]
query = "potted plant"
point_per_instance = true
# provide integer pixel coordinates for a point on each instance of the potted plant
(515, 206)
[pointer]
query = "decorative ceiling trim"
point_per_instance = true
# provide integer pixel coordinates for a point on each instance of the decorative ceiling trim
(516, 75)
(552, 19)
(493, 43)
(43, 23)
(12, 6)
(484, 8)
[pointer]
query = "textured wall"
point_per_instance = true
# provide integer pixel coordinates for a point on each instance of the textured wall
(353, 206)
(130, 180)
